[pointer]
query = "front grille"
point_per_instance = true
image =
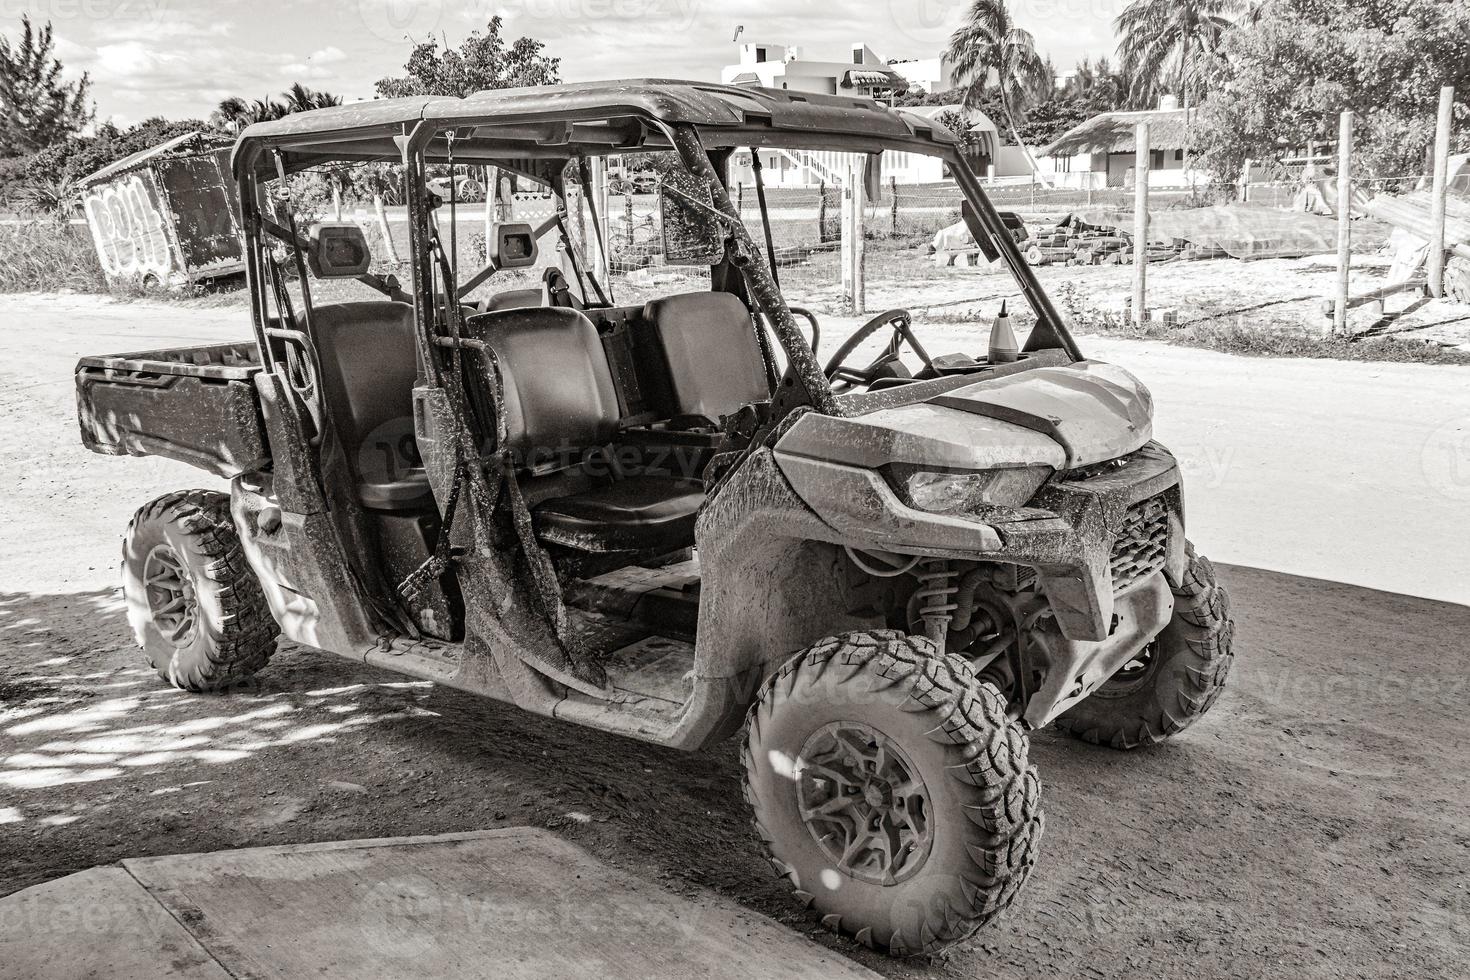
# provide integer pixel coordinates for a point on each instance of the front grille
(1139, 550)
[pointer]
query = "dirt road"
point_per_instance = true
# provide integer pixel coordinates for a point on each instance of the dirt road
(1316, 824)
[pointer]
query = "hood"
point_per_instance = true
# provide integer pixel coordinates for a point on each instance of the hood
(1058, 417)
(1093, 411)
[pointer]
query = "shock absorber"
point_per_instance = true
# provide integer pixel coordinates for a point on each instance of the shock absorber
(935, 599)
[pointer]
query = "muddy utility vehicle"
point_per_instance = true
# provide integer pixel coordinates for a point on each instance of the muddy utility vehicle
(669, 519)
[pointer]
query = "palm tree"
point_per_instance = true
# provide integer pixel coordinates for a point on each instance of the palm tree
(1172, 44)
(235, 113)
(299, 98)
(990, 44)
(232, 114)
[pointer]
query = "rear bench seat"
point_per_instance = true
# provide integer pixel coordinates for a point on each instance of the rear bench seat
(368, 364)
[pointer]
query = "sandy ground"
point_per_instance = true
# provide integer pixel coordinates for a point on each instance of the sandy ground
(1316, 824)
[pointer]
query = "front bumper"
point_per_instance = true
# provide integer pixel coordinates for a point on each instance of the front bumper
(1090, 539)
(1106, 546)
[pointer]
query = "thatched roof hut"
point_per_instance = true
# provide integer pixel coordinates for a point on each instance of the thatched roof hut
(1114, 132)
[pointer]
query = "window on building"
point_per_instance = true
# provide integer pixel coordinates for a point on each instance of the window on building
(1157, 159)
(857, 56)
(1179, 155)
(760, 54)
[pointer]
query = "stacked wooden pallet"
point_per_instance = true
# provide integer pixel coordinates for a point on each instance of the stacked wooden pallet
(1075, 242)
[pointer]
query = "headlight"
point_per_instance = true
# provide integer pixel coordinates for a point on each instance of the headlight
(942, 492)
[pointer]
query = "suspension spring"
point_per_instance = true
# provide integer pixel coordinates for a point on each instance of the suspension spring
(935, 599)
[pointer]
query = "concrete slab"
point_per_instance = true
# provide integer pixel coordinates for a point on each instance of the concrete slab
(510, 903)
(99, 923)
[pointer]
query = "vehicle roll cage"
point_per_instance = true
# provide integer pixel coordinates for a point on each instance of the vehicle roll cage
(539, 150)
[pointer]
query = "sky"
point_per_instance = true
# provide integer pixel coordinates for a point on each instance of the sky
(179, 58)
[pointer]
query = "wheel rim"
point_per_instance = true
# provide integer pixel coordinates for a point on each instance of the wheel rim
(1131, 675)
(170, 591)
(864, 803)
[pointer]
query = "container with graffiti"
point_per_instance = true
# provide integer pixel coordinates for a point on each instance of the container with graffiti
(166, 214)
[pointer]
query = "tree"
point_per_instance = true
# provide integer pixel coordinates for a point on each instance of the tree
(1097, 86)
(483, 61)
(77, 157)
(36, 107)
(1167, 45)
(1306, 61)
(299, 98)
(1172, 43)
(234, 113)
(1050, 119)
(989, 43)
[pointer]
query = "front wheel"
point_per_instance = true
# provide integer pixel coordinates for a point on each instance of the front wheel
(1174, 680)
(891, 791)
(193, 602)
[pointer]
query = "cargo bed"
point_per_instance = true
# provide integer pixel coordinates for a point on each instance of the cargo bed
(197, 405)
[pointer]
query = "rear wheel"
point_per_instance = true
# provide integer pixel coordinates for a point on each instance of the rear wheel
(1174, 680)
(891, 791)
(195, 606)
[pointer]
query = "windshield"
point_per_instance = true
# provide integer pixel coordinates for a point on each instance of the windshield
(805, 211)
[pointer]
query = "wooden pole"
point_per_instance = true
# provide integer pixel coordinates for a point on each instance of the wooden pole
(854, 209)
(1344, 220)
(492, 191)
(598, 168)
(382, 213)
(1441, 190)
(1245, 182)
(1142, 161)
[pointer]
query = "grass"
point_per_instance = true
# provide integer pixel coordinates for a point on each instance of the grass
(48, 256)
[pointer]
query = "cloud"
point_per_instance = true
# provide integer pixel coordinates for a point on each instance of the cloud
(314, 67)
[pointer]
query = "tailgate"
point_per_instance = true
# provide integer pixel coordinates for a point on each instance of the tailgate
(197, 405)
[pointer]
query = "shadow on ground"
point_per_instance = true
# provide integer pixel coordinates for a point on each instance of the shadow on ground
(1315, 824)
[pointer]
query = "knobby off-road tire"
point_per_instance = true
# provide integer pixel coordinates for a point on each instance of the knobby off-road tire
(193, 602)
(929, 750)
(1180, 677)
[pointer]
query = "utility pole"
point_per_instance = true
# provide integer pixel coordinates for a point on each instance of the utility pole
(1142, 161)
(1441, 190)
(1344, 220)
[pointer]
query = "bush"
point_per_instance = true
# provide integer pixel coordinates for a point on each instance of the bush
(46, 256)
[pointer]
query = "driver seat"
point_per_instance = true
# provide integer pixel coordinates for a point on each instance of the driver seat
(560, 406)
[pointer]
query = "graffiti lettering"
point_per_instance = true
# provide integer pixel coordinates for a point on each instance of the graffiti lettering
(128, 230)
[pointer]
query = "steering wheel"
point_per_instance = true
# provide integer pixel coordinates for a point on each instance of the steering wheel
(901, 321)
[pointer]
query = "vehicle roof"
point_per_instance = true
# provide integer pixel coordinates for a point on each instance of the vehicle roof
(727, 115)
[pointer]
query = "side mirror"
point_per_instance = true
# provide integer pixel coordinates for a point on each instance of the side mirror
(338, 251)
(513, 246)
(691, 236)
(978, 232)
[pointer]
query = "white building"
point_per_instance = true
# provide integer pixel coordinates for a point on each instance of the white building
(933, 75)
(866, 74)
(778, 66)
